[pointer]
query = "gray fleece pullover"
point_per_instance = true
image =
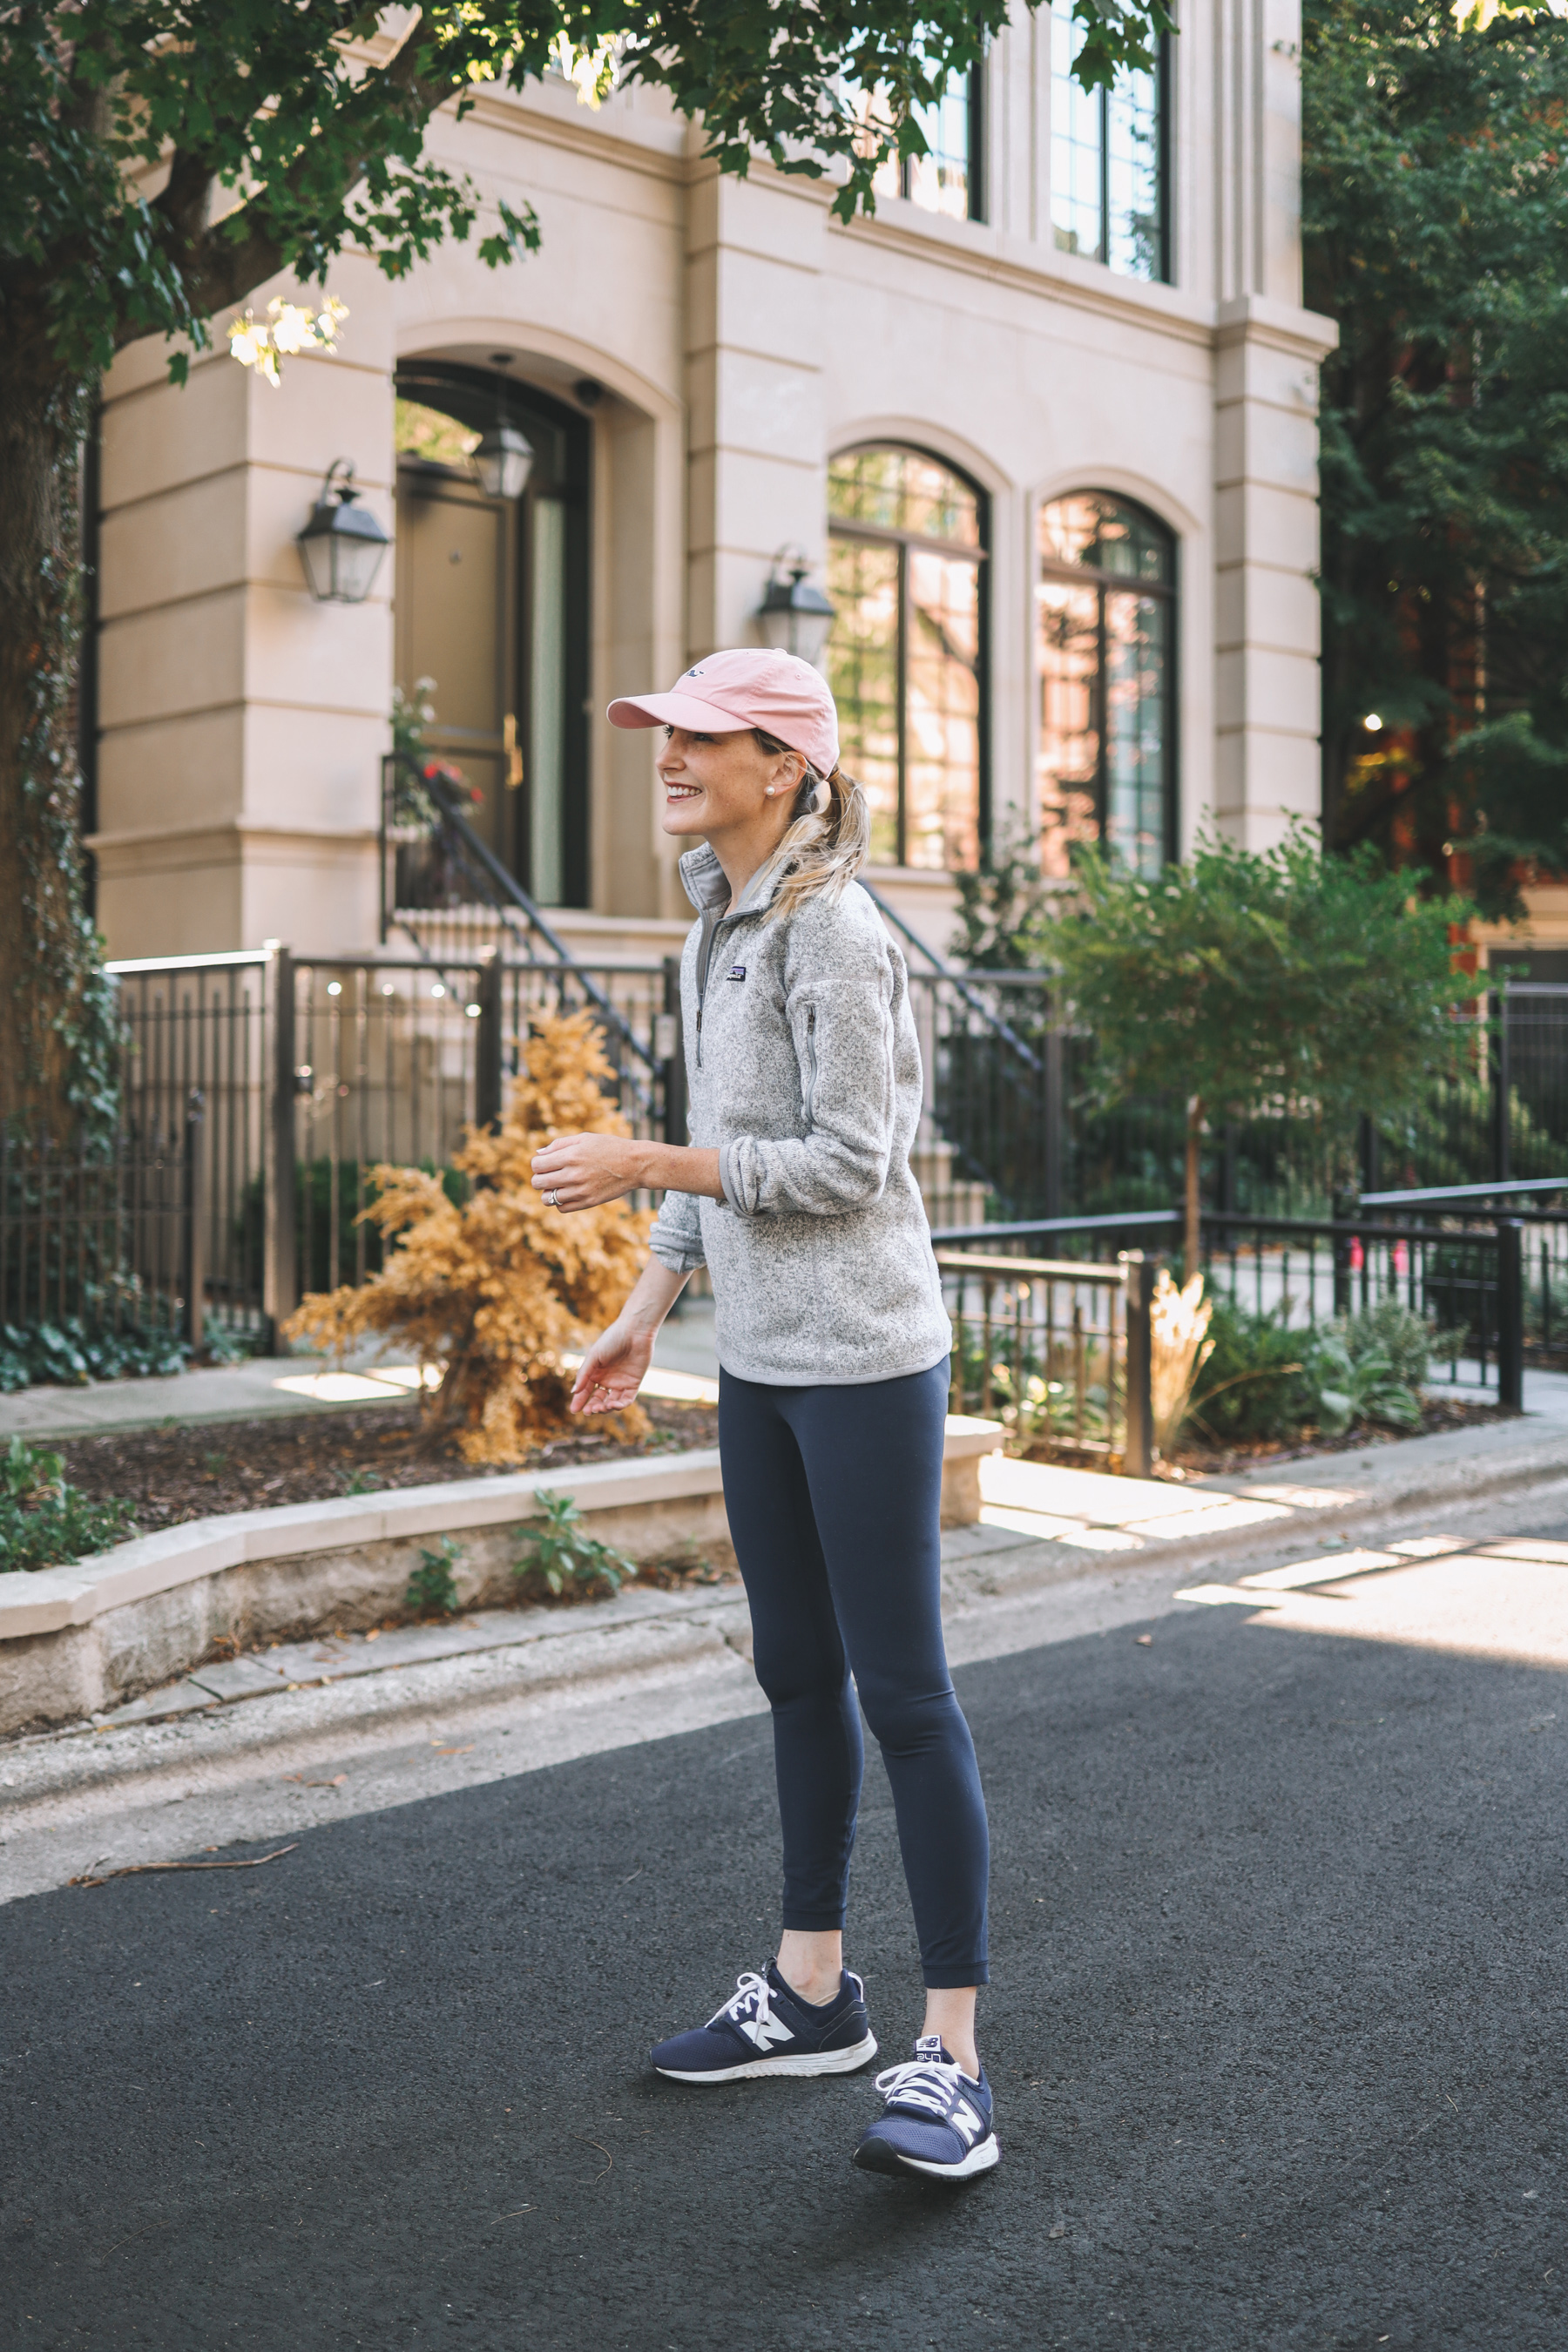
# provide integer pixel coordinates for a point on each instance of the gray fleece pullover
(803, 1072)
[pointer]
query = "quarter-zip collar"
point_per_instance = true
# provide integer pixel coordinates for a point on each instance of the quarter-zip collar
(708, 885)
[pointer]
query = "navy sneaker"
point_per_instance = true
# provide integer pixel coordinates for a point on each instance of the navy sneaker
(767, 2029)
(937, 2120)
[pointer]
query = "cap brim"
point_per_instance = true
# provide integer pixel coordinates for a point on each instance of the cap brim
(675, 710)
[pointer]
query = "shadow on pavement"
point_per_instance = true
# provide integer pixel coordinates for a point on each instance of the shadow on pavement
(1276, 2036)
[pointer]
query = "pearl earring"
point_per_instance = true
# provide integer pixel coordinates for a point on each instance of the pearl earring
(769, 793)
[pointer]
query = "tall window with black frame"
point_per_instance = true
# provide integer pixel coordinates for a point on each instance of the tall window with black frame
(907, 565)
(1109, 161)
(1105, 600)
(948, 177)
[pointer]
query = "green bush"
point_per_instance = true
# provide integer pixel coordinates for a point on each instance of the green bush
(1264, 1381)
(566, 1557)
(1256, 1383)
(43, 1522)
(432, 1589)
(65, 1353)
(1359, 1385)
(1392, 1330)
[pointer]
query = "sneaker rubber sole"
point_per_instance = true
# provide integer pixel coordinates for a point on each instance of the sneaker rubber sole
(797, 2063)
(876, 2156)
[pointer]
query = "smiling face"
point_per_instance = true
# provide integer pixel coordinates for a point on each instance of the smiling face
(717, 788)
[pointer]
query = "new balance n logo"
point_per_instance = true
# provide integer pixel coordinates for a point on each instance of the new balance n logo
(765, 2030)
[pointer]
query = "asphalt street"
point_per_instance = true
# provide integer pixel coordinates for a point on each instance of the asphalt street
(1276, 2032)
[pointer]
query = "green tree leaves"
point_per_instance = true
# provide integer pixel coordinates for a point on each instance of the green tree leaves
(160, 158)
(1436, 223)
(1246, 982)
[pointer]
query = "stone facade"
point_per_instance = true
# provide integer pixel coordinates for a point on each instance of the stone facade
(741, 337)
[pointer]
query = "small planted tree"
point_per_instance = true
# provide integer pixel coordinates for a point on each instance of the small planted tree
(1248, 982)
(496, 1291)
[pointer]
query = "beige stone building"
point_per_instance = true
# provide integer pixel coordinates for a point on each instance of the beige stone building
(1044, 430)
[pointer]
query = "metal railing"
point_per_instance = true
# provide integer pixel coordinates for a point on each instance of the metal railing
(1058, 1350)
(394, 1057)
(315, 1069)
(1466, 1279)
(107, 1239)
(205, 1024)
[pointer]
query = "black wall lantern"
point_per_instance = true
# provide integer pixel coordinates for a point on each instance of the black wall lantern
(504, 458)
(503, 461)
(343, 544)
(795, 617)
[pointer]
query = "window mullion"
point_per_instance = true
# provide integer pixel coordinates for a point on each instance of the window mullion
(904, 700)
(1103, 720)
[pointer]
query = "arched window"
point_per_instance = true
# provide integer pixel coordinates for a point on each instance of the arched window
(1105, 644)
(907, 573)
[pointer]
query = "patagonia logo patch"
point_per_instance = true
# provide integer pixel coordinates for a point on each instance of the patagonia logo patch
(737, 972)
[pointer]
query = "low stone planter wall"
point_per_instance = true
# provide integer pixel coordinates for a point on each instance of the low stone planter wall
(75, 1641)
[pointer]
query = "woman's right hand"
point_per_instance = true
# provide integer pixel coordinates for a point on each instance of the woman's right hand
(613, 1370)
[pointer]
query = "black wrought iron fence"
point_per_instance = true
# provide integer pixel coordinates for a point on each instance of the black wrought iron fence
(105, 1239)
(203, 1023)
(313, 1069)
(1467, 1274)
(395, 1056)
(1056, 1348)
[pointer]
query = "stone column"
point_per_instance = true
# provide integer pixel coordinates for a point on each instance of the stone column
(242, 723)
(1268, 349)
(756, 464)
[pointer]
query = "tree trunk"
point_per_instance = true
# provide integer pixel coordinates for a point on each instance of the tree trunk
(57, 1063)
(1192, 1234)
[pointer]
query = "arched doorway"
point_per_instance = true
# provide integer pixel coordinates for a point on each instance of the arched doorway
(492, 606)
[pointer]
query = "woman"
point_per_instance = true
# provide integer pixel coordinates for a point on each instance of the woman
(804, 1077)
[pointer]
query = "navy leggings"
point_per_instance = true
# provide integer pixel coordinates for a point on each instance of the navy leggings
(834, 1497)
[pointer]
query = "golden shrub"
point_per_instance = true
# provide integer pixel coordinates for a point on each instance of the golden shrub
(1181, 1347)
(496, 1290)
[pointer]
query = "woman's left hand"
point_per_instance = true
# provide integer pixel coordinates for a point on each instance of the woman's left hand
(580, 1171)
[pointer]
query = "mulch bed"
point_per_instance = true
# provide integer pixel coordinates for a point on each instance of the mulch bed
(1439, 1413)
(184, 1471)
(178, 1472)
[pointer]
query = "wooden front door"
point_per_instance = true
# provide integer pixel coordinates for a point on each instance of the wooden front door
(457, 625)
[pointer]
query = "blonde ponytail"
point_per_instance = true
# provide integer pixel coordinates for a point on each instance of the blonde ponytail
(828, 839)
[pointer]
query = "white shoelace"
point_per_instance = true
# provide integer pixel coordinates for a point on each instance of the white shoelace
(940, 2089)
(749, 2002)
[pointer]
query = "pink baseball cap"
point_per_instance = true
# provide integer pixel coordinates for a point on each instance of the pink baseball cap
(729, 691)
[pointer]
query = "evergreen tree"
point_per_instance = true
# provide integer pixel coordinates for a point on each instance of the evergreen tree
(1436, 223)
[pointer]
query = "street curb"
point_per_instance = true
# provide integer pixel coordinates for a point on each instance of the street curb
(79, 1760)
(651, 1633)
(77, 1643)
(1461, 1464)
(982, 1565)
